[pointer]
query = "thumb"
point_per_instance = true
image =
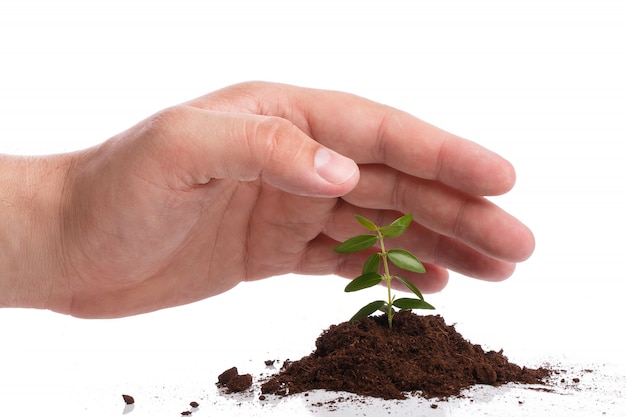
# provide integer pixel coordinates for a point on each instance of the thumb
(248, 147)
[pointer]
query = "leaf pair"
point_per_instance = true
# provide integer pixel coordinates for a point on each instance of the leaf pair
(380, 305)
(371, 279)
(362, 242)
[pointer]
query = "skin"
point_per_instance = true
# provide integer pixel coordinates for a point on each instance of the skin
(230, 187)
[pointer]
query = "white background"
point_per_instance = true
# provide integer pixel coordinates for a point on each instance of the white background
(540, 82)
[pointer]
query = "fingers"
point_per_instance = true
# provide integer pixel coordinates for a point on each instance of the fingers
(212, 145)
(373, 133)
(406, 165)
(370, 132)
(472, 220)
(430, 247)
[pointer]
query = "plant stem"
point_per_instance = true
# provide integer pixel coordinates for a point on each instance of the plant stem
(387, 277)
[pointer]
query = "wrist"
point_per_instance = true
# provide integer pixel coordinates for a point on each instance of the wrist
(31, 190)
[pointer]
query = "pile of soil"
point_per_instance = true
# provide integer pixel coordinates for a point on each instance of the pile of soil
(420, 353)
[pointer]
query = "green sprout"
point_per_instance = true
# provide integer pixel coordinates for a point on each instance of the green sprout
(370, 275)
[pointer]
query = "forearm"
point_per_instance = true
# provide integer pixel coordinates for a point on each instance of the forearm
(30, 201)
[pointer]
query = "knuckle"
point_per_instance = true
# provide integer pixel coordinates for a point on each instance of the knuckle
(400, 193)
(166, 122)
(269, 133)
(255, 88)
(252, 85)
(273, 126)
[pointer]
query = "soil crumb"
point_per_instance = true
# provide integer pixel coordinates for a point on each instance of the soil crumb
(227, 375)
(235, 382)
(420, 354)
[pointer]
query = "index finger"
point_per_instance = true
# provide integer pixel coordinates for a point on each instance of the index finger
(370, 132)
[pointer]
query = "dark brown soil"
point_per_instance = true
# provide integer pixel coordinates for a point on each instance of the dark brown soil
(128, 399)
(227, 375)
(420, 354)
(233, 381)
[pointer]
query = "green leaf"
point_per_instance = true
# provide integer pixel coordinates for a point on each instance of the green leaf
(412, 304)
(363, 281)
(397, 227)
(368, 224)
(356, 243)
(371, 264)
(410, 286)
(367, 310)
(404, 221)
(391, 231)
(405, 260)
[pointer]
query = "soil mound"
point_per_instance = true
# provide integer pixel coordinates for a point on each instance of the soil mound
(420, 353)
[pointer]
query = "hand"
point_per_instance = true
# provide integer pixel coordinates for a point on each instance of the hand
(260, 179)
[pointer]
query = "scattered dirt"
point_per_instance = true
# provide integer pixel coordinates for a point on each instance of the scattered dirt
(233, 381)
(226, 376)
(240, 383)
(420, 354)
(128, 399)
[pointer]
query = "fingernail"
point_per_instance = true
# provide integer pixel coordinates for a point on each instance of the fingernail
(333, 167)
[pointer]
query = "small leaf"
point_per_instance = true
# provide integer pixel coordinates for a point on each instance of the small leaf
(405, 260)
(410, 286)
(356, 243)
(412, 304)
(368, 224)
(391, 231)
(363, 281)
(397, 227)
(367, 310)
(371, 264)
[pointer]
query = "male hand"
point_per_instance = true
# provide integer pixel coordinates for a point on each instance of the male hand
(260, 179)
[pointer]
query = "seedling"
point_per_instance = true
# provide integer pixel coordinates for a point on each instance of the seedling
(370, 274)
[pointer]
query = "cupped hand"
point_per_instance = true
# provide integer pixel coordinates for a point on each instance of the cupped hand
(262, 179)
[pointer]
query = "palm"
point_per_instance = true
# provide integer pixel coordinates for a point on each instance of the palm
(173, 251)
